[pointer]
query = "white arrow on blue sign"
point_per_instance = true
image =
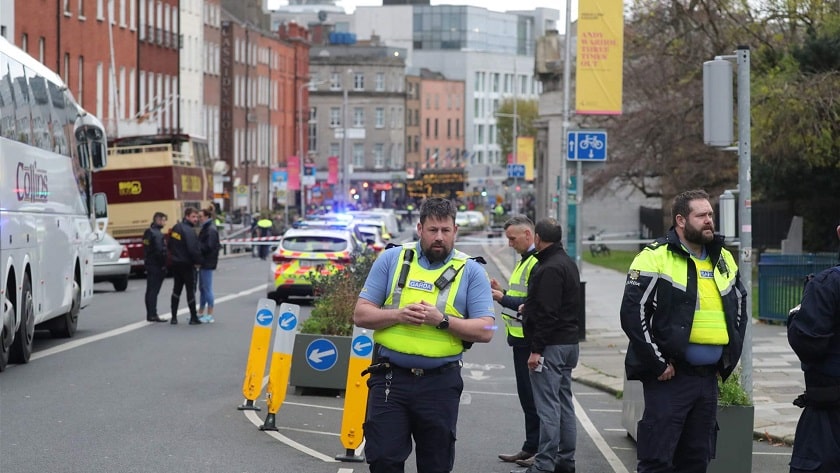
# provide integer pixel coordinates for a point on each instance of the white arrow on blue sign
(264, 317)
(287, 321)
(321, 354)
(587, 145)
(362, 345)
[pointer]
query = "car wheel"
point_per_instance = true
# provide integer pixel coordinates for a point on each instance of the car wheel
(121, 285)
(65, 326)
(22, 346)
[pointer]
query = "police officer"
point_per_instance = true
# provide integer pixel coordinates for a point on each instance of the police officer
(423, 301)
(519, 231)
(685, 313)
(154, 261)
(186, 257)
(814, 335)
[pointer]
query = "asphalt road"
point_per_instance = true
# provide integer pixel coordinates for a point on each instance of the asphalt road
(127, 396)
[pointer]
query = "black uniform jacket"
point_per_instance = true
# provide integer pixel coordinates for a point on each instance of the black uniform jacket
(183, 243)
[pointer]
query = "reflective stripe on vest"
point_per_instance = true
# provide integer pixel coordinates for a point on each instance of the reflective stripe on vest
(518, 288)
(709, 325)
(423, 340)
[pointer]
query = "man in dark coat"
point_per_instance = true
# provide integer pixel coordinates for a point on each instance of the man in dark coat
(186, 257)
(154, 260)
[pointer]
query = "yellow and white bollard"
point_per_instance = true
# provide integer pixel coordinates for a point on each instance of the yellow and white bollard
(258, 353)
(355, 394)
(281, 361)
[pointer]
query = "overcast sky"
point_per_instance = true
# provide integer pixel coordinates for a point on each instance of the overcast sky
(495, 5)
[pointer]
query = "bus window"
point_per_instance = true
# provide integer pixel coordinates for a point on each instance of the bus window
(41, 116)
(20, 98)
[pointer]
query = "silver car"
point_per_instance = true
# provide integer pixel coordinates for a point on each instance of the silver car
(111, 262)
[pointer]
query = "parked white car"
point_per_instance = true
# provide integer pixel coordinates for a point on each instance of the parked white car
(111, 262)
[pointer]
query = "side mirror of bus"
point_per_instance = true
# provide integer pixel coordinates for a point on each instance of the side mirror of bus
(91, 144)
(100, 211)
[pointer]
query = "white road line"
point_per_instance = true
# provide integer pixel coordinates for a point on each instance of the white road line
(128, 328)
(254, 418)
(599, 441)
(605, 410)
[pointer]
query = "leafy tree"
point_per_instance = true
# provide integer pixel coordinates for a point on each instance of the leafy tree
(527, 110)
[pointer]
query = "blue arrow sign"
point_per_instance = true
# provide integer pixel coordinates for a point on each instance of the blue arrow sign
(516, 170)
(587, 146)
(321, 354)
(287, 321)
(265, 317)
(362, 345)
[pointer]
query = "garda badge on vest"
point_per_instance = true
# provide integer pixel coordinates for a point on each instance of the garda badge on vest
(421, 285)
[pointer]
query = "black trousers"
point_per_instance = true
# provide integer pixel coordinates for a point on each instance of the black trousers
(184, 276)
(526, 398)
(154, 280)
(816, 447)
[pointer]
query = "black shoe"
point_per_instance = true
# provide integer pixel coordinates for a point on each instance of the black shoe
(516, 456)
(564, 467)
(174, 320)
(154, 319)
(195, 321)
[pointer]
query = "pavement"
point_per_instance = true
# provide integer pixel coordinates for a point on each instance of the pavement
(776, 376)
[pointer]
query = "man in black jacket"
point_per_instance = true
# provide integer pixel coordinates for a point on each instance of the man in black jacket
(814, 335)
(154, 260)
(550, 323)
(186, 257)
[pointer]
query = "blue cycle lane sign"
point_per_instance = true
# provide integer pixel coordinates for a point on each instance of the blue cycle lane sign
(587, 145)
(321, 354)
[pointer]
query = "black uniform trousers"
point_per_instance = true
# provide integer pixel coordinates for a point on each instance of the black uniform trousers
(154, 280)
(816, 447)
(526, 398)
(422, 406)
(183, 275)
(678, 430)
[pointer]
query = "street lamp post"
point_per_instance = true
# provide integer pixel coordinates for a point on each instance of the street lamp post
(514, 208)
(301, 148)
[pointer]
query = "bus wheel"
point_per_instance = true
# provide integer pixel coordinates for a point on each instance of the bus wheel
(66, 324)
(5, 334)
(22, 346)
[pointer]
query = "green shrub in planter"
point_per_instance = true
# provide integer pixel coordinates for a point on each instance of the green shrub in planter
(732, 393)
(335, 298)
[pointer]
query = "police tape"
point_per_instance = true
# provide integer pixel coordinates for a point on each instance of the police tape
(251, 241)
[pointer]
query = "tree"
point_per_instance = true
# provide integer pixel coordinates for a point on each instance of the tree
(527, 110)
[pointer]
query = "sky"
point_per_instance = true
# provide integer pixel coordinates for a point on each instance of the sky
(495, 5)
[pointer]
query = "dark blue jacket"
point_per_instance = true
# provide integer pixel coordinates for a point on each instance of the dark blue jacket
(208, 240)
(814, 332)
(183, 244)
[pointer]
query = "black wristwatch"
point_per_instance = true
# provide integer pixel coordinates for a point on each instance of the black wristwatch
(444, 324)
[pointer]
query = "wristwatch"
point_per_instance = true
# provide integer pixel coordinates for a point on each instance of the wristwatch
(444, 324)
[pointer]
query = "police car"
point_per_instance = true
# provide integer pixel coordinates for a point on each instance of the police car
(309, 251)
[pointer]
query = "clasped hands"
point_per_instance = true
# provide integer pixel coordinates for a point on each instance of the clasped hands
(419, 314)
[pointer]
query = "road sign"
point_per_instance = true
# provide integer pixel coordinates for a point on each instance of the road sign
(287, 320)
(516, 170)
(587, 145)
(362, 345)
(321, 354)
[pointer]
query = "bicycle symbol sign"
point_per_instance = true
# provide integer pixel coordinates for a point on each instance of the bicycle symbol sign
(587, 146)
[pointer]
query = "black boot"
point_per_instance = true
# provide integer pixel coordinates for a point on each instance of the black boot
(195, 321)
(174, 319)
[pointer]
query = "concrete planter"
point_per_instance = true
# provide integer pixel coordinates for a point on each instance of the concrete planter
(320, 361)
(734, 440)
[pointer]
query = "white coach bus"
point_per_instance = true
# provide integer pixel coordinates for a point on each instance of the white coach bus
(48, 147)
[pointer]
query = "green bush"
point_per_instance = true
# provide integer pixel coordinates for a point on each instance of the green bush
(335, 298)
(732, 393)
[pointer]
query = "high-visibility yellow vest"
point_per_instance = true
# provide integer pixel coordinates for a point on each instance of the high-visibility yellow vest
(518, 287)
(423, 340)
(709, 325)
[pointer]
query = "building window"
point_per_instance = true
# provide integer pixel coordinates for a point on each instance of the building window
(66, 7)
(358, 117)
(457, 128)
(42, 44)
(359, 155)
(358, 81)
(449, 128)
(379, 117)
(24, 42)
(66, 68)
(100, 10)
(335, 149)
(380, 81)
(436, 127)
(428, 126)
(82, 9)
(378, 156)
(335, 81)
(335, 117)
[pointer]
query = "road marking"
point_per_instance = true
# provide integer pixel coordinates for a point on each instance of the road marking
(252, 416)
(599, 441)
(605, 410)
(129, 328)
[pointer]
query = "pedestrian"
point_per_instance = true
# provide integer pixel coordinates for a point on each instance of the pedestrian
(154, 262)
(186, 257)
(264, 230)
(519, 231)
(550, 324)
(684, 312)
(814, 334)
(208, 241)
(426, 302)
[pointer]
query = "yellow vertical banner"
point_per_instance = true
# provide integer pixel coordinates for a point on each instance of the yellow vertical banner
(525, 155)
(600, 54)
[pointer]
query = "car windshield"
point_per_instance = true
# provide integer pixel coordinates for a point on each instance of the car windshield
(314, 243)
